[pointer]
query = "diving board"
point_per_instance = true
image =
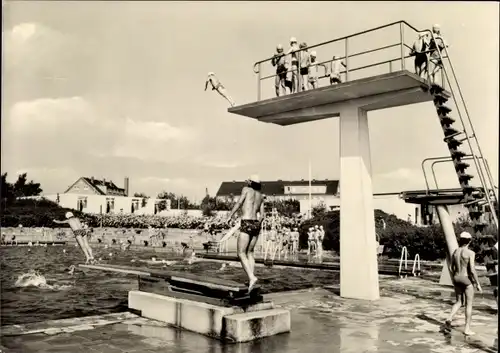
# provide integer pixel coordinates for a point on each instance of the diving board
(213, 307)
(188, 286)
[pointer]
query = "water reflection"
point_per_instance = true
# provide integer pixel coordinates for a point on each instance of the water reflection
(184, 341)
(359, 339)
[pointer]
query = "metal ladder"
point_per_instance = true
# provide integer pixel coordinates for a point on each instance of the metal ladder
(476, 197)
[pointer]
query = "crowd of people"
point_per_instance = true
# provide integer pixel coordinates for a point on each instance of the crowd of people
(297, 69)
(315, 237)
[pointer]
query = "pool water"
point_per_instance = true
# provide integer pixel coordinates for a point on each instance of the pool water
(37, 285)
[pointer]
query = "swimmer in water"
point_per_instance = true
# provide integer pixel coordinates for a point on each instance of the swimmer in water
(464, 279)
(217, 86)
(80, 235)
(251, 202)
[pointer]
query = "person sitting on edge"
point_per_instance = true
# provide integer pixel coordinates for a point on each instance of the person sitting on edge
(464, 278)
(80, 235)
(278, 60)
(335, 70)
(251, 202)
(419, 51)
(217, 86)
(313, 71)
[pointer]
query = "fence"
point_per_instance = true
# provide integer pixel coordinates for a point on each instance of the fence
(388, 46)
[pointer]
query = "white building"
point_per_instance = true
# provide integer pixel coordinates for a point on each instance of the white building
(90, 195)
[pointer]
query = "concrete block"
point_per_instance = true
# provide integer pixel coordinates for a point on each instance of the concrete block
(250, 326)
(208, 319)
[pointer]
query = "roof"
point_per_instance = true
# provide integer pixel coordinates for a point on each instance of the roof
(96, 183)
(228, 188)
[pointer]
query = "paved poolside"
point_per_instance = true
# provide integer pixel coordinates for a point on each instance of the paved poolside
(407, 318)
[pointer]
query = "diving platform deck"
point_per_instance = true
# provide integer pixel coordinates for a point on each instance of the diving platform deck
(377, 92)
(435, 197)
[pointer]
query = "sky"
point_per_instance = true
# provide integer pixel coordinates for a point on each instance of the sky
(115, 89)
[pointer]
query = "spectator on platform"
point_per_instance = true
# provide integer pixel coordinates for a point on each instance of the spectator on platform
(419, 51)
(335, 70)
(436, 46)
(304, 65)
(279, 61)
(313, 71)
(293, 66)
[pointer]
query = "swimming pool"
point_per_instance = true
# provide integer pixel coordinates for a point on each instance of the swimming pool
(53, 293)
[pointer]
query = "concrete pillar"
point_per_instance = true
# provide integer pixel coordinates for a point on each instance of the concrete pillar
(358, 255)
(449, 232)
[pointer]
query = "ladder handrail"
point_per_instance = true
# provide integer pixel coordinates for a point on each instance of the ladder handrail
(417, 257)
(404, 252)
(473, 135)
(465, 158)
(468, 138)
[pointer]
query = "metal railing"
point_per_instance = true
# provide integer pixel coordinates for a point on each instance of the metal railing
(347, 55)
(482, 167)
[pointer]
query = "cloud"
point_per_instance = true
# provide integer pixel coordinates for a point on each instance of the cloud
(41, 62)
(22, 32)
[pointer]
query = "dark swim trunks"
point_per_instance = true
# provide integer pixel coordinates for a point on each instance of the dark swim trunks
(250, 227)
(461, 281)
(80, 232)
(420, 59)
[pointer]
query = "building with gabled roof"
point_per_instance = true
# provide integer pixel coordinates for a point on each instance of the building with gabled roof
(322, 191)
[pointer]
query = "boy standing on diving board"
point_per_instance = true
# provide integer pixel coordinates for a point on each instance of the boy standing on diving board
(80, 235)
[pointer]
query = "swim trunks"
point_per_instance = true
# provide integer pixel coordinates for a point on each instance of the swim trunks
(334, 79)
(461, 281)
(304, 70)
(250, 227)
(420, 59)
(217, 86)
(80, 232)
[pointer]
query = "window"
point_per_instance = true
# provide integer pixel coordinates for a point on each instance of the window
(81, 203)
(110, 204)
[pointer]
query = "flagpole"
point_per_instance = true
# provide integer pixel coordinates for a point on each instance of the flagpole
(310, 198)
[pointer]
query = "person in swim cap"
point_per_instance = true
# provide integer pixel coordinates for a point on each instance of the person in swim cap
(279, 61)
(465, 279)
(419, 51)
(217, 86)
(293, 66)
(436, 47)
(251, 203)
(313, 71)
(80, 235)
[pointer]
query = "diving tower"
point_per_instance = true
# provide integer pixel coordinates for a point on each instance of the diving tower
(366, 87)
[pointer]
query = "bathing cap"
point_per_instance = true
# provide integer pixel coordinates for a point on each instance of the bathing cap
(465, 235)
(69, 214)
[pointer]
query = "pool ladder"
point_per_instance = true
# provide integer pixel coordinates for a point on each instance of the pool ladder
(404, 259)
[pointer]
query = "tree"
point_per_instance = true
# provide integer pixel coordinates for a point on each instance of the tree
(6, 189)
(177, 201)
(208, 206)
(287, 208)
(141, 194)
(319, 209)
(19, 189)
(23, 188)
